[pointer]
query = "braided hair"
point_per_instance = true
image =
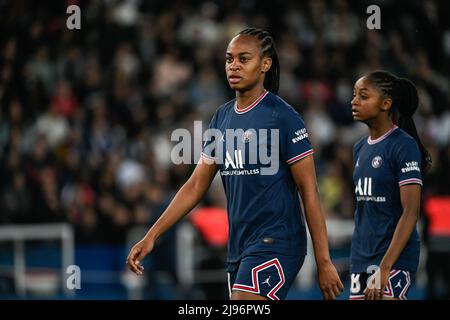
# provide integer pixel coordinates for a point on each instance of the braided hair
(268, 49)
(405, 102)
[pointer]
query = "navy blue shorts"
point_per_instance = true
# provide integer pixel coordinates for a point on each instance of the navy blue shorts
(397, 286)
(267, 274)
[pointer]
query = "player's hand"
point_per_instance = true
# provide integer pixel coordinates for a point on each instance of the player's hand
(137, 254)
(376, 284)
(329, 281)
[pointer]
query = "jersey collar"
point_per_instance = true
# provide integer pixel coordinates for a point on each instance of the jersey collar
(384, 136)
(252, 105)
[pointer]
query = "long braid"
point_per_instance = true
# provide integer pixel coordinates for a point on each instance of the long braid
(268, 49)
(405, 102)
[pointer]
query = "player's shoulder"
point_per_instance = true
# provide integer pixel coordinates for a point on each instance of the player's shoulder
(401, 136)
(281, 108)
(401, 142)
(359, 144)
(225, 108)
(229, 105)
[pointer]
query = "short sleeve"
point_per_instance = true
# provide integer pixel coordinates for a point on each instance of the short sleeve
(295, 144)
(209, 146)
(408, 163)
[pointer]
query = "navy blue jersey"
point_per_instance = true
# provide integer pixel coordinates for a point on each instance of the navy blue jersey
(382, 166)
(263, 204)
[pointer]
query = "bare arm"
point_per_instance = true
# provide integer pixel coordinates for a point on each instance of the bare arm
(304, 175)
(184, 201)
(410, 199)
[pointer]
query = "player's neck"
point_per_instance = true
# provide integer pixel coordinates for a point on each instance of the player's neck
(377, 130)
(246, 98)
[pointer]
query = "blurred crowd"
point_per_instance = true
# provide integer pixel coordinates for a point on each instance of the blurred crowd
(87, 115)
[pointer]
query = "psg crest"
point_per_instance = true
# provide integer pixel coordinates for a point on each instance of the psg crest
(247, 136)
(376, 162)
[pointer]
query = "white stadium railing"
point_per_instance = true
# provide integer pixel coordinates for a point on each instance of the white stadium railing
(19, 234)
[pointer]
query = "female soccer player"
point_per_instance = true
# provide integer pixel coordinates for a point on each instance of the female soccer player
(387, 177)
(267, 235)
